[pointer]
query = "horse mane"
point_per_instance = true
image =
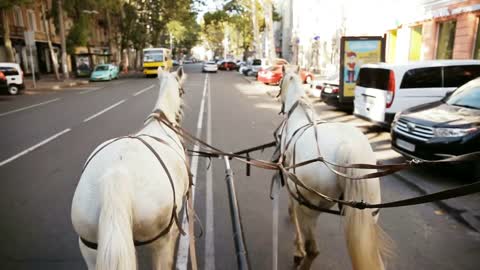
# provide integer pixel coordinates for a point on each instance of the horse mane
(164, 101)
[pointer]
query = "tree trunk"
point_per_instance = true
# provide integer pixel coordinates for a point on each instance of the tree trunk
(256, 46)
(6, 37)
(50, 47)
(62, 37)
(270, 48)
(111, 48)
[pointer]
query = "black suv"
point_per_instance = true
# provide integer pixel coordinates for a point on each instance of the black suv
(441, 129)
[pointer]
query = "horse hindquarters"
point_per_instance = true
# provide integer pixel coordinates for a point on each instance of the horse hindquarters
(115, 238)
(366, 241)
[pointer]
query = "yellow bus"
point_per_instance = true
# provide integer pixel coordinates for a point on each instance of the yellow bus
(155, 57)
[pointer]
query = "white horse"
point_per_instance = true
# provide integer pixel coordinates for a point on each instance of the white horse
(125, 195)
(342, 144)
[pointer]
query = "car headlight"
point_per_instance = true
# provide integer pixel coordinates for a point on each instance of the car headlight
(396, 117)
(453, 132)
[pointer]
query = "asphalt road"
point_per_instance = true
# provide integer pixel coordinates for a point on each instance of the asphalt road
(46, 137)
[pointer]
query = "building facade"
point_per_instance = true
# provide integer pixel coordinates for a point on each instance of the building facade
(438, 30)
(29, 17)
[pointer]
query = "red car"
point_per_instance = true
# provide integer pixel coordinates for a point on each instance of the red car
(227, 65)
(270, 75)
(306, 76)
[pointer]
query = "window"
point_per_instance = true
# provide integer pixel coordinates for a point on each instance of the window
(9, 71)
(374, 78)
(17, 16)
(415, 43)
(476, 52)
(446, 38)
(422, 78)
(456, 76)
(32, 24)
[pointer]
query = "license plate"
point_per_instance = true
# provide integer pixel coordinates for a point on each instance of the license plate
(327, 90)
(406, 145)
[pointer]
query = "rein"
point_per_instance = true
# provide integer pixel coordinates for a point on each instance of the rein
(385, 169)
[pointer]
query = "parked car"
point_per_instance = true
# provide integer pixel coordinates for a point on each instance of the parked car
(306, 76)
(440, 129)
(3, 82)
(270, 75)
(227, 65)
(104, 72)
(385, 89)
(14, 76)
(255, 66)
(243, 67)
(210, 66)
(175, 62)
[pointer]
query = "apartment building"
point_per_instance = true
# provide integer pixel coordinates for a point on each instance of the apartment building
(29, 17)
(438, 30)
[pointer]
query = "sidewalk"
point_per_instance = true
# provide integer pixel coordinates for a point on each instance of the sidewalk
(49, 82)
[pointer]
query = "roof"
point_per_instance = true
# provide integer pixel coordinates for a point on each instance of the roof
(9, 64)
(426, 63)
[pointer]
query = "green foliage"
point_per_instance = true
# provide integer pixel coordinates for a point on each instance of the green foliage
(78, 35)
(7, 4)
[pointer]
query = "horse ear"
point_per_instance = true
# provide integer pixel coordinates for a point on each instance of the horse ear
(298, 70)
(180, 74)
(283, 70)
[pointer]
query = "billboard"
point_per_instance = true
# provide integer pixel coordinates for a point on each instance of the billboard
(354, 52)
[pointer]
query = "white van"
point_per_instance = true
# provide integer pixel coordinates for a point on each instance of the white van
(14, 75)
(383, 89)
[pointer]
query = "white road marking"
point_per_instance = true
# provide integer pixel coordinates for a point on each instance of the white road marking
(89, 90)
(143, 90)
(30, 149)
(182, 254)
(209, 256)
(29, 107)
(104, 110)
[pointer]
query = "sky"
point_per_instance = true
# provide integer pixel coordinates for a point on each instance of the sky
(211, 5)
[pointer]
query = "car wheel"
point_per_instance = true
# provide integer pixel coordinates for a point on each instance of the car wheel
(308, 79)
(13, 89)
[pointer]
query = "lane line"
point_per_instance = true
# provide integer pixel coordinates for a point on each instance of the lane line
(30, 149)
(89, 90)
(29, 107)
(143, 90)
(182, 254)
(104, 111)
(209, 209)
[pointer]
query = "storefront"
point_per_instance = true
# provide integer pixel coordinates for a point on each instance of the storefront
(86, 58)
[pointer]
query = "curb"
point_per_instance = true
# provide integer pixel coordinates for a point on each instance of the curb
(461, 215)
(58, 86)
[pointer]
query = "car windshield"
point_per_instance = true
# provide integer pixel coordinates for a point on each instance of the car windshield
(467, 96)
(257, 62)
(101, 68)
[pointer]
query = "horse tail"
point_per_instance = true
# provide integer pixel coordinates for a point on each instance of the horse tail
(115, 237)
(367, 243)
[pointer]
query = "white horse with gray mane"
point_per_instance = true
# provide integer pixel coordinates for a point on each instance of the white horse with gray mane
(132, 189)
(342, 144)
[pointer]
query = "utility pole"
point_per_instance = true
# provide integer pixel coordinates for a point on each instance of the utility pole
(62, 37)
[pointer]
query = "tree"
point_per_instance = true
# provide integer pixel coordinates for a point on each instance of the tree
(46, 25)
(5, 7)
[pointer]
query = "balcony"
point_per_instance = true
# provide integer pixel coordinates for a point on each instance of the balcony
(16, 31)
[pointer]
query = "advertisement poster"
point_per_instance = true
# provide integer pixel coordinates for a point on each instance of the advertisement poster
(356, 51)
(83, 65)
